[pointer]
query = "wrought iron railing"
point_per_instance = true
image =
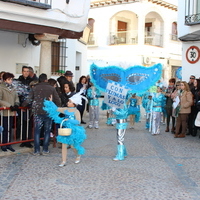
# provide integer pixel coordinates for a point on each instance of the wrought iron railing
(192, 19)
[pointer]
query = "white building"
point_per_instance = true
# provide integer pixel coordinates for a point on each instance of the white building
(134, 32)
(34, 32)
(189, 34)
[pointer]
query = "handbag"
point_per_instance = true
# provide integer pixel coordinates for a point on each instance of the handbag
(197, 120)
(64, 131)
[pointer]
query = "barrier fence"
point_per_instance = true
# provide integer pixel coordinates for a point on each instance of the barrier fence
(19, 126)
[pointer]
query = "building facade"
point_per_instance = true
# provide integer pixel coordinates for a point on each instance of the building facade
(134, 32)
(189, 34)
(44, 34)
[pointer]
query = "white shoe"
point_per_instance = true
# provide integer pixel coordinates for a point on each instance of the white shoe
(62, 164)
(77, 160)
(96, 126)
(90, 126)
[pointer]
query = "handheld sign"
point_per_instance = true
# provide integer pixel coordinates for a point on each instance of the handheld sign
(115, 95)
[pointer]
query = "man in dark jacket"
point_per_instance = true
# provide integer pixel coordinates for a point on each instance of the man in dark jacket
(23, 92)
(40, 92)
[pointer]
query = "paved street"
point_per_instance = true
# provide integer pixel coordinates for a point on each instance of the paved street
(157, 168)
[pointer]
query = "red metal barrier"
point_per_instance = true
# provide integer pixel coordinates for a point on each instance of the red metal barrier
(19, 131)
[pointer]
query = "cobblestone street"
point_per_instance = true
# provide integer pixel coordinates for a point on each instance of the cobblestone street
(158, 167)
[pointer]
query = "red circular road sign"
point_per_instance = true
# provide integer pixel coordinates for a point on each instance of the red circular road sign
(193, 54)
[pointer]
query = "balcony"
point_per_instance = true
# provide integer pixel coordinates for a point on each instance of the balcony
(192, 19)
(92, 41)
(43, 4)
(123, 37)
(154, 39)
(173, 37)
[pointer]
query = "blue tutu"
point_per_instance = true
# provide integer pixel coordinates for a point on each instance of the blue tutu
(77, 136)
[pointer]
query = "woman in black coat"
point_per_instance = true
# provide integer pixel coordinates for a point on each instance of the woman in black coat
(82, 84)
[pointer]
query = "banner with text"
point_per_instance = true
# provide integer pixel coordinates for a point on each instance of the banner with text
(115, 95)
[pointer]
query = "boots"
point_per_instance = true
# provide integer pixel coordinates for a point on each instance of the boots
(167, 129)
(182, 135)
(121, 153)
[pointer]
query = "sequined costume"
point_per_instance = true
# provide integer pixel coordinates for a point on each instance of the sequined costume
(158, 102)
(134, 110)
(78, 132)
(121, 125)
(93, 95)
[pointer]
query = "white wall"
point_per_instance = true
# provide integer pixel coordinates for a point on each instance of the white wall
(11, 52)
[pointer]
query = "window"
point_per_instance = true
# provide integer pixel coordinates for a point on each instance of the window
(59, 56)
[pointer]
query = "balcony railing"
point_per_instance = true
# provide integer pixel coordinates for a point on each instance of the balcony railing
(92, 41)
(173, 37)
(192, 19)
(43, 4)
(130, 37)
(154, 39)
(124, 37)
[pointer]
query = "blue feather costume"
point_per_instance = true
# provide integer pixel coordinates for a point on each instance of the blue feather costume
(77, 136)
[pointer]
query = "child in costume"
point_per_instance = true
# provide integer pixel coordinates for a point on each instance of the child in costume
(148, 109)
(72, 121)
(133, 109)
(93, 95)
(158, 102)
(121, 125)
(110, 116)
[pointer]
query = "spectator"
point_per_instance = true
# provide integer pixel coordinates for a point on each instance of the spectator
(8, 98)
(37, 96)
(24, 85)
(67, 78)
(186, 101)
(191, 82)
(32, 75)
(1, 76)
(195, 107)
(68, 91)
(169, 101)
(82, 84)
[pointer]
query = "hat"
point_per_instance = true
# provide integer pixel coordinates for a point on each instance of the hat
(68, 73)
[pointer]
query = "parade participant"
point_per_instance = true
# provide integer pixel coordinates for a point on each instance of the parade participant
(72, 121)
(133, 109)
(93, 95)
(121, 125)
(148, 110)
(158, 100)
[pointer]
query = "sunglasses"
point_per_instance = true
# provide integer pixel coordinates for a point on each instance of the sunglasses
(191, 78)
(177, 85)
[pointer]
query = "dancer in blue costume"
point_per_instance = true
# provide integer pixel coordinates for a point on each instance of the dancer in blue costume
(133, 109)
(121, 125)
(71, 120)
(158, 103)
